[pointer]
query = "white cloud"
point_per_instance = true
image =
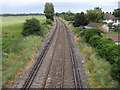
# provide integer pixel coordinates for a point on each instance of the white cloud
(105, 4)
(79, 1)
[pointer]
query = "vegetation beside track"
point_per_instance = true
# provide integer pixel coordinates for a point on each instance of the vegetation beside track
(17, 49)
(99, 68)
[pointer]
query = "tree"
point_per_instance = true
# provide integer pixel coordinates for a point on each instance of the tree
(90, 32)
(116, 12)
(95, 15)
(68, 16)
(32, 26)
(94, 40)
(79, 20)
(49, 11)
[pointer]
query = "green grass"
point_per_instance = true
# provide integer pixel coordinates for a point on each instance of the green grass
(16, 57)
(17, 50)
(113, 33)
(99, 68)
(11, 20)
(10, 34)
(12, 27)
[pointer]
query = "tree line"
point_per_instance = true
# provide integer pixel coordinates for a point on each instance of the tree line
(82, 19)
(29, 14)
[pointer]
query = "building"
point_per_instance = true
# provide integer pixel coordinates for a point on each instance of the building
(102, 27)
(114, 37)
(109, 18)
(119, 4)
(117, 21)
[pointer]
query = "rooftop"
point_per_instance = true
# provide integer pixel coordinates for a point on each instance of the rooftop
(114, 37)
(95, 25)
(108, 16)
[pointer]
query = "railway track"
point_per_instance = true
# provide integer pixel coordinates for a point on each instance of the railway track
(56, 66)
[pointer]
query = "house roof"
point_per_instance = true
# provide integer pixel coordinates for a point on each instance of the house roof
(94, 25)
(108, 16)
(114, 37)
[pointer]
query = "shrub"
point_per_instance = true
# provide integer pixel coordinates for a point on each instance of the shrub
(32, 26)
(93, 41)
(117, 30)
(79, 30)
(105, 47)
(90, 32)
(48, 21)
(116, 70)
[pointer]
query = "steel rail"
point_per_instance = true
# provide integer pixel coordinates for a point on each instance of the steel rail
(39, 61)
(76, 71)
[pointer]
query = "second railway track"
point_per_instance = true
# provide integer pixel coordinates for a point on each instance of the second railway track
(56, 66)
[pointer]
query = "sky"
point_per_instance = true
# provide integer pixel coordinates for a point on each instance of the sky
(37, 6)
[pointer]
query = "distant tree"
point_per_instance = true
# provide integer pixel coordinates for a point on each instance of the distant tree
(98, 8)
(116, 12)
(80, 20)
(49, 11)
(68, 16)
(94, 15)
(32, 27)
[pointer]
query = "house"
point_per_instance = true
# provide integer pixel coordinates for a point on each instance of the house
(109, 18)
(102, 27)
(117, 21)
(114, 37)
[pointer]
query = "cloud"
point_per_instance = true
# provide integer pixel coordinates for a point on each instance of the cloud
(60, 5)
(43, 1)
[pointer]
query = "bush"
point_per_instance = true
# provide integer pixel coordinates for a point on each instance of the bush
(116, 70)
(32, 26)
(117, 30)
(48, 21)
(79, 30)
(105, 47)
(93, 41)
(90, 32)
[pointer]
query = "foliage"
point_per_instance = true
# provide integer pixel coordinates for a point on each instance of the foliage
(32, 27)
(110, 25)
(99, 68)
(116, 12)
(49, 11)
(12, 28)
(117, 30)
(94, 40)
(16, 57)
(105, 47)
(79, 30)
(11, 34)
(88, 33)
(94, 15)
(67, 16)
(79, 20)
(116, 70)
(16, 48)
(48, 21)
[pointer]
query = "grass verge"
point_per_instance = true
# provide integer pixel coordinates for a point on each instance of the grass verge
(17, 50)
(99, 69)
(16, 57)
